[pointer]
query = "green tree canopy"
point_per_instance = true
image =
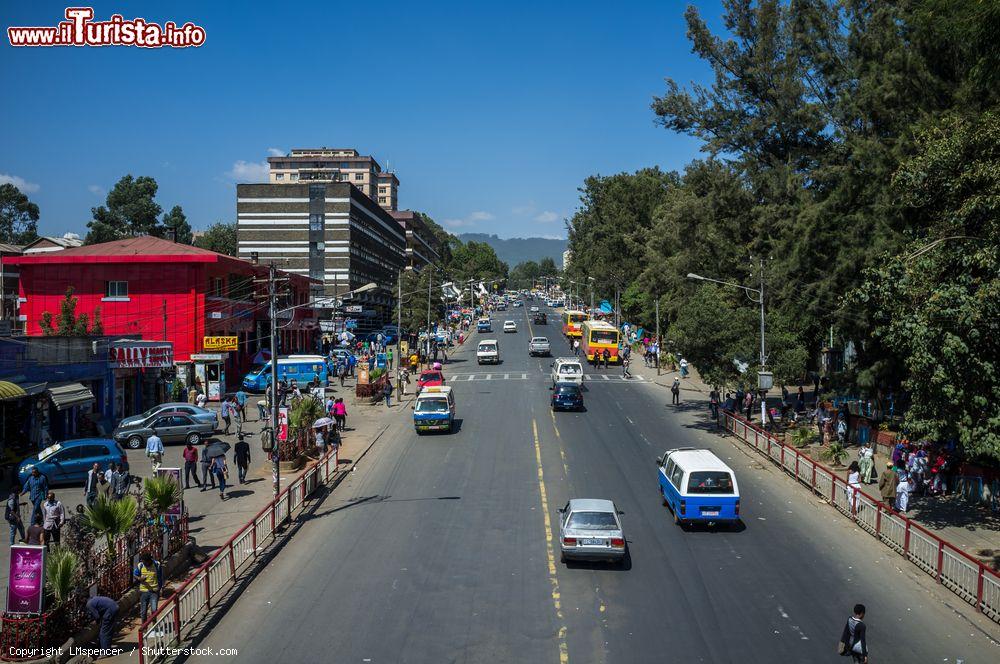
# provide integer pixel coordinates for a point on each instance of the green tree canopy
(131, 210)
(18, 216)
(176, 226)
(220, 237)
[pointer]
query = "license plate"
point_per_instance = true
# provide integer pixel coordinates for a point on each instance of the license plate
(710, 513)
(592, 542)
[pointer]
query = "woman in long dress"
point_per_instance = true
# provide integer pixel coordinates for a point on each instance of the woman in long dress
(866, 462)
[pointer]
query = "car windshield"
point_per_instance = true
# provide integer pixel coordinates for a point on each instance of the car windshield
(49, 451)
(151, 411)
(539, 340)
(604, 337)
(708, 481)
(570, 369)
(593, 521)
(430, 376)
(487, 348)
(432, 406)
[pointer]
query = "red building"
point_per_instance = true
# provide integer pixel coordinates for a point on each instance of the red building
(160, 290)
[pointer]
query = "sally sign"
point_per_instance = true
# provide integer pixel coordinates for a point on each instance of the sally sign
(26, 578)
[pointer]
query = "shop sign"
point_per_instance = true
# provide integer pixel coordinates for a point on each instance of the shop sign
(363, 376)
(140, 356)
(220, 343)
(26, 578)
(354, 308)
(207, 357)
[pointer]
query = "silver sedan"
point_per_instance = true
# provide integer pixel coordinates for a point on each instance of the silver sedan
(589, 529)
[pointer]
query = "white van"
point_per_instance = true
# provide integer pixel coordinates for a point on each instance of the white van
(488, 352)
(567, 370)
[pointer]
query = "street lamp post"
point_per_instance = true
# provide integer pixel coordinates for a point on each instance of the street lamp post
(762, 382)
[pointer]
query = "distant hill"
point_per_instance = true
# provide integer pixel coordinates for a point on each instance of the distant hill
(519, 249)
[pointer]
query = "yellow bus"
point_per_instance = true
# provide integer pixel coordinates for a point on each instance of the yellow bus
(571, 320)
(598, 335)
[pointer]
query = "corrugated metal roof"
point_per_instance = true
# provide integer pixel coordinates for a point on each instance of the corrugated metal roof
(132, 246)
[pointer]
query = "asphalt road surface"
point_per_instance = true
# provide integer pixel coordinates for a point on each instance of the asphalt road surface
(442, 548)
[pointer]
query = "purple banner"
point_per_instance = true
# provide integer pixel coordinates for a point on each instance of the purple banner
(26, 578)
(177, 508)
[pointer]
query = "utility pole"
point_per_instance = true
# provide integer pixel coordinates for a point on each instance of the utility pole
(272, 311)
(164, 319)
(399, 318)
(430, 278)
(763, 399)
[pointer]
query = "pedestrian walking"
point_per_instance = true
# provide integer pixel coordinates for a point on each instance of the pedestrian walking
(154, 450)
(190, 455)
(340, 414)
(713, 403)
(887, 483)
(110, 472)
(684, 368)
(625, 365)
(241, 404)
(262, 414)
(103, 488)
(853, 484)
(903, 492)
(576, 346)
(149, 575)
(53, 518)
(221, 472)
(675, 392)
(342, 372)
(800, 401)
(241, 457)
(120, 480)
(387, 393)
(606, 356)
(206, 469)
(36, 533)
(388, 359)
(226, 411)
(853, 640)
(104, 611)
(38, 488)
(12, 513)
(866, 461)
(201, 400)
(748, 405)
(90, 486)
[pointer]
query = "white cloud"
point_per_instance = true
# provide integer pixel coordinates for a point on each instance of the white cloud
(276, 152)
(547, 217)
(522, 210)
(552, 237)
(470, 219)
(249, 171)
(95, 189)
(19, 182)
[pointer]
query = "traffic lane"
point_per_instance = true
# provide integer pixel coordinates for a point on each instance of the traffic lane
(432, 551)
(809, 566)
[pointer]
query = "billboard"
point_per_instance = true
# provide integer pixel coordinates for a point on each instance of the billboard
(26, 578)
(220, 343)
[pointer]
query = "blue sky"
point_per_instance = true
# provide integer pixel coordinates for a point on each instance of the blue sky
(491, 114)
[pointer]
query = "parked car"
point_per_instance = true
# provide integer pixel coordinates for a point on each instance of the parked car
(196, 412)
(538, 346)
(170, 426)
(589, 529)
(68, 462)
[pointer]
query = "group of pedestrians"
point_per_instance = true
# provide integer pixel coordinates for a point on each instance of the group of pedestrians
(47, 516)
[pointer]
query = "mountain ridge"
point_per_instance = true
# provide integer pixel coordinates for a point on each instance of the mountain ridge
(520, 249)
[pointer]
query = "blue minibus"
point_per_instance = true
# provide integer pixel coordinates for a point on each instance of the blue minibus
(301, 368)
(698, 487)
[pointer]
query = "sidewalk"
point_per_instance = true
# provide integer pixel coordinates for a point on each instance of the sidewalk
(971, 528)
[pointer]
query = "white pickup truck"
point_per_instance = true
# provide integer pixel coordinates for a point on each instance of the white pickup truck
(488, 352)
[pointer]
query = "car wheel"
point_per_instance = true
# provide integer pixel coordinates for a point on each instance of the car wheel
(677, 518)
(562, 557)
(134, 443)
(193, 438)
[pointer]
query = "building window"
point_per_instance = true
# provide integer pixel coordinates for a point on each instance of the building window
(315, 222)
(216, 287)
(359, 176)
(294, 177)
(115, 289)
(381, 199)
(381, 190)
(279, 176)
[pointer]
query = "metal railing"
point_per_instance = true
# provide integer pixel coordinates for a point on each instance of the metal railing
(967, 577)
(196, 595)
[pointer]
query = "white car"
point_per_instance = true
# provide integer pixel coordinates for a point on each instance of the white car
(567, 370)
(509, 326)
(534, 310)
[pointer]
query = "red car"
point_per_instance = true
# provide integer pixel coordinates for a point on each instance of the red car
(430, 378)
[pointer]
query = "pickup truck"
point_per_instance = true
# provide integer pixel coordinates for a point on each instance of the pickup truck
(538, 346)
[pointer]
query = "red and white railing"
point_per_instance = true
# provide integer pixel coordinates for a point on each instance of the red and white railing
(967, 577)
(195, 596)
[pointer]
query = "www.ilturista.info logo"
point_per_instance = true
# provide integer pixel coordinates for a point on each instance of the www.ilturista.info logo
(79, 29)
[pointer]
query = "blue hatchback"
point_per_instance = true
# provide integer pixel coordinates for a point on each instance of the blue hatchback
(69, 461)
(567, 396)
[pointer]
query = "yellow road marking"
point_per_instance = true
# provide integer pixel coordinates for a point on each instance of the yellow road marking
(562, 453)
(550, 549)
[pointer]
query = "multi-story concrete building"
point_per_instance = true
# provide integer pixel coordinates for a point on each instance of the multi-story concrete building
(422, 247)
(327, 230)
(337, 165)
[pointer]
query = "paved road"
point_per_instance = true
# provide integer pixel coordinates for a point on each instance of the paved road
(436, 550)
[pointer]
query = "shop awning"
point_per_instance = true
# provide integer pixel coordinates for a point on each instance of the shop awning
(67, 395)
(11, 391)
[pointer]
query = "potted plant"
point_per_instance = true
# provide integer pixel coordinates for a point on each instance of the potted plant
(835, 453)
(62, 571)
(111, 518)
(803, 437)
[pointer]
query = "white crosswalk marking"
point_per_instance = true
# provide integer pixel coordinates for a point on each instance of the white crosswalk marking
(506, 376)
(472, 377)
(605, 377)
(524, 376)
(489, 376)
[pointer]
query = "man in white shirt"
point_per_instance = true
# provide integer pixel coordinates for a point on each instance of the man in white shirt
(154, 450)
